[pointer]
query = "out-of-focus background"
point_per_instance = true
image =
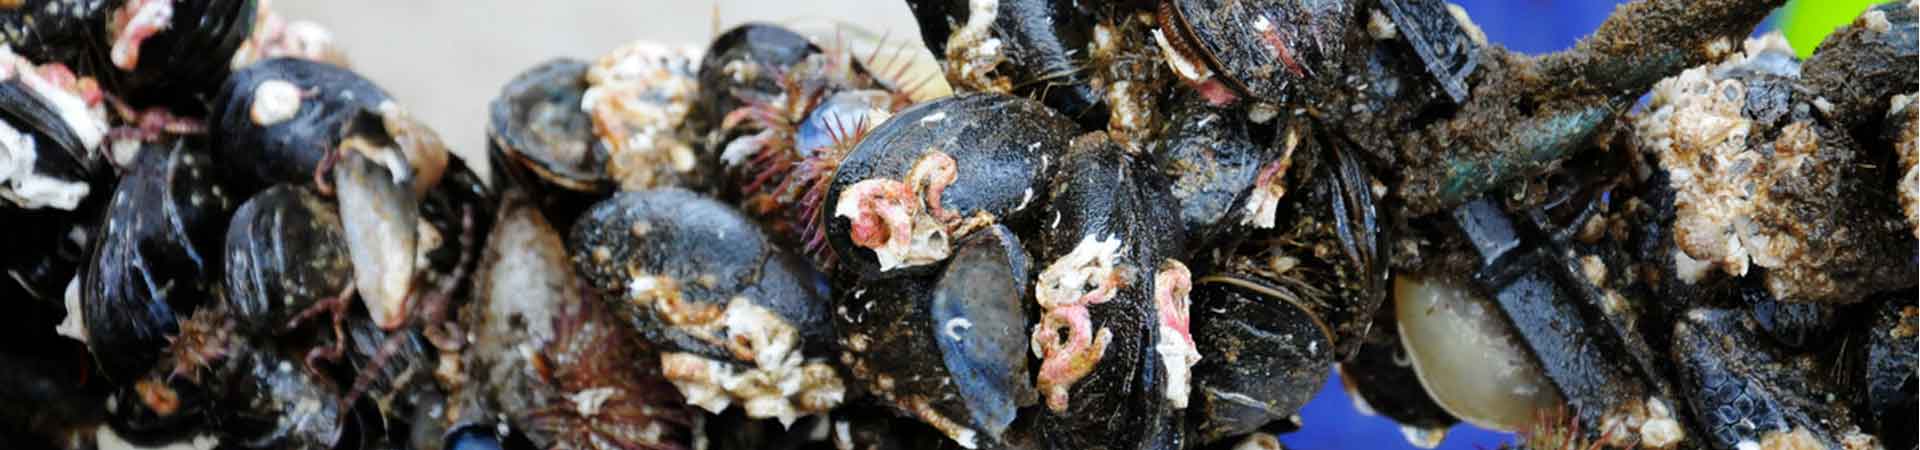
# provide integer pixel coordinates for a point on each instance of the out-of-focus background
(446, 59)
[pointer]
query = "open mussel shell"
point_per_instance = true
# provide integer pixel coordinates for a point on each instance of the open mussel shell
(1468, 357)
(537, 128)
(935, 171)
(1107, 325)
(275, 120)
(184, 58)
(717, 298)
(948, 350)
(1042, 42)
(158, 255)
(1265, 357)
(1746, 390)
(285, 250)
(1259, 47)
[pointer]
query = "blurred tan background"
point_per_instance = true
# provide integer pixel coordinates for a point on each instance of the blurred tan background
(445, 59)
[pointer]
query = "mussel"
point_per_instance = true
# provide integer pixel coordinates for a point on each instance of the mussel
(1113, 337)
(158, 254)
(950, 351)
(937, 171)
(734, 317)
(170, 50)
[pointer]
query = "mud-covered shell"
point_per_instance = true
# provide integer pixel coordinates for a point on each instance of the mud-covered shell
(1118, 209)
(1265, 358)
(190, 56)
(536, 125)
(1043, 42)
(289, 149)
(707, 251)
(284, 251)
(1004, 151)
(1746, 389)
(158, 255)
(1261, 47)
(1214, 162)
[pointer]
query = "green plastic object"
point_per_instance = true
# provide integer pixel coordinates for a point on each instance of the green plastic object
(1807, 22)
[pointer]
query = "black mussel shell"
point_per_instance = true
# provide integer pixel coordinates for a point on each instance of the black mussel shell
(188, 57)
(743, 60)
(1112, 222)
(1265, 357)
(1744, 388)
(702, 283)
(61, 31)
(1044, 43)
(49, 247)
(979, 307)
(158, 254)
(283, 146)
(1891, 376)
(481, 436)
(1216, 166)
(272, 401)
(1795, 325)
(65, 155)
(1328, 242)
(997, 151)
(1381, 376)
(44, 379)
(1260, 47)
(952, 351)
(284, 251)
(539, 132)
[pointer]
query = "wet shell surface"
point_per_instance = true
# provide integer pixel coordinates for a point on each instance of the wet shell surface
(936, 171)
(736, 319)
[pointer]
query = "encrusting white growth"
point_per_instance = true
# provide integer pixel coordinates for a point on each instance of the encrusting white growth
(1175, 342)
(274, 101)
(1263, 204)
(1065, 339)
(27, 188)
(638, 96)
(137, 21)
(774, 380)
(1907, 143)
(972, 51)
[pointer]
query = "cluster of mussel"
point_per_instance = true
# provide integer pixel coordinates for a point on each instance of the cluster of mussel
(1151, 224)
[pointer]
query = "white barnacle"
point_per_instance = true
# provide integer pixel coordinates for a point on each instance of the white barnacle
(274, 101)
